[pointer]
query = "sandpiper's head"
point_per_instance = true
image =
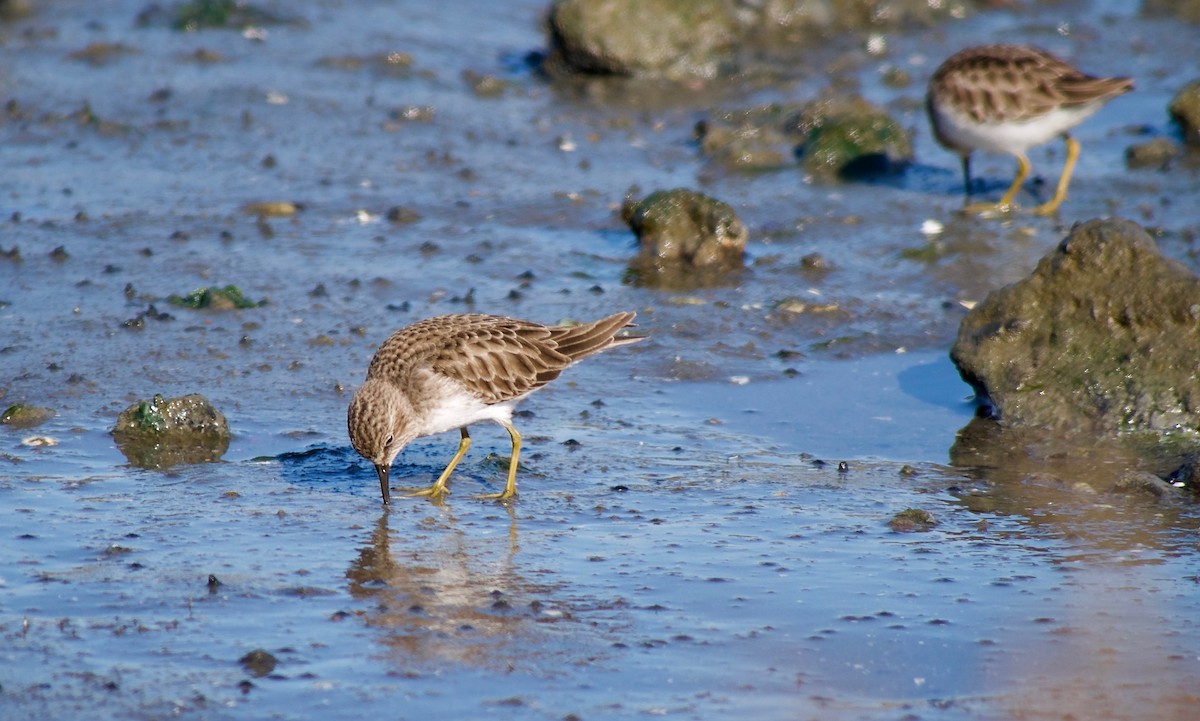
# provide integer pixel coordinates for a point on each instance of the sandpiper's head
(378, 421)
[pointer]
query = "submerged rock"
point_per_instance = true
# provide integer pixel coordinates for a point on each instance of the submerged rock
(912, 520)
(1185, 110)
(1144, 483)
(259, 662)
(684, 237)
(1101, 338)
(163, 432)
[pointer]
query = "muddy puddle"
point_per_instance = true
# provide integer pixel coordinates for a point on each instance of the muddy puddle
(703, 527)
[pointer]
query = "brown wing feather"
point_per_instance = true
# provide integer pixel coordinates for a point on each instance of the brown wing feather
(583, 340)
(498, 358)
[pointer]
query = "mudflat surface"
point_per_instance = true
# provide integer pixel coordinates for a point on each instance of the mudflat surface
(685, 544)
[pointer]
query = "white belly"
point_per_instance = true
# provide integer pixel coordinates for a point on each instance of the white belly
(457, 408)
(963, 134)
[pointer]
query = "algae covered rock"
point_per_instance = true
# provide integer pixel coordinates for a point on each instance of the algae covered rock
(226, 298)
(201, 14)
(20, 415)
(642, 37)
(684, 235)
(164, 432)
(1101, 338)
(842, 137)
(851, 138)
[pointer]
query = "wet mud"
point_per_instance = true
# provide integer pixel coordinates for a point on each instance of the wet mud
(703, 526)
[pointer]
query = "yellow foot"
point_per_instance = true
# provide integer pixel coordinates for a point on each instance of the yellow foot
(1049, 208)
(502, 496)
(433, 493)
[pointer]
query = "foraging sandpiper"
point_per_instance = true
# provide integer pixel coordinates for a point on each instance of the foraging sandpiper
(454, 370)
(1009, 98)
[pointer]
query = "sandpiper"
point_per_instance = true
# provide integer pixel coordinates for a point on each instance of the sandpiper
(454, 370)
(1009, 98)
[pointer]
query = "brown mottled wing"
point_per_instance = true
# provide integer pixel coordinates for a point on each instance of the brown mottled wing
(1005, 83)
(497, 358)
(415, 346)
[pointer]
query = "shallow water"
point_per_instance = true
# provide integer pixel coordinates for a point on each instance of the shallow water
(688, 547)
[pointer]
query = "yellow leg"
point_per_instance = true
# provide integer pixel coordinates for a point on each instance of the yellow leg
(1022, 173)
(438, 489)
(1060, 193)
(510, 488)
(1005, 203)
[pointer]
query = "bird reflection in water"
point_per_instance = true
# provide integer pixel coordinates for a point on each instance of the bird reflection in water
(443, 594)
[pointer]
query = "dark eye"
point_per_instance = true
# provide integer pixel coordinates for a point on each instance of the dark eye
(388, 442)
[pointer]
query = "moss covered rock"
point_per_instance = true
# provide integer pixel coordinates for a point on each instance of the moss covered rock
(851, 138)
(1101, 338)
(912, 520)
(226, 298)
(684, 237)
(164, 432)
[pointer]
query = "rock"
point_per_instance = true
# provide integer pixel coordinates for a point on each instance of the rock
(912, 520)
(401, 215)
(1154, 154)
(660, 38)
(851, 138)
(15, 9)
(160, 433)
(706, 38)
(1188, 10)
(258, 662)
(1185, 110)
(748, 139)
(1184, 475)
(19, 415)
(685, 238)
(227, 298)
(822, 16)
(236, 14)
(1143, 483)
(844, 137)
(1101, 338)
